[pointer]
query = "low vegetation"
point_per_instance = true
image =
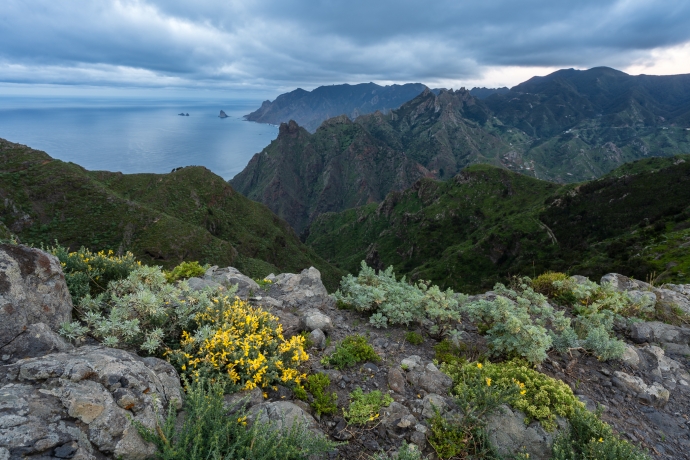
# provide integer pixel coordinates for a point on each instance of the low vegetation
(392, 301)
(323, 402)
(352, 350)
(185, 270)
(365, 407)
(207, 432)
(88, 273)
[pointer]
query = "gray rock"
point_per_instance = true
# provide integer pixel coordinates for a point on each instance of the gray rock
(411, 362)
(266, 302)
(432, 403)
(36, 340)
(654, 393)
(624, 283)
(32, 290)
(396, 380)
(418, 438)
(87, 399)
(315, 319)
(435, 382)
(301, 291)
(656, 331)
(230, 276)
(283, 415)
(199, 284)
(243, 400)
(290, 322)
(669, 299)
(508, 432)
(392, 414)
(318, 338)
(630, 356)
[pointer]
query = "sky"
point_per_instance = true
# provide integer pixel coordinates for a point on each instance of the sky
(261, 48)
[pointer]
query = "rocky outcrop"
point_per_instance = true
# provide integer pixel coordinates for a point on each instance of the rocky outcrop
(84, 401)
(58, 401)
(666, 297)
(32, 290)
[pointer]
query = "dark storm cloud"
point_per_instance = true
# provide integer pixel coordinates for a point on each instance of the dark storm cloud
(270, 44)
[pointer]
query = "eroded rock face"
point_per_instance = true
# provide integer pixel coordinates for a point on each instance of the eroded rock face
(82, 403)
(32, 290)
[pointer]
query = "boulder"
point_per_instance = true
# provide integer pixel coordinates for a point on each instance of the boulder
(508, 432)
(32, 290)
(432, 403)
(624, 283)
(228, 277)
(318, 338)
(302, 291)
(630, 356)
(313, 319)
(656, 331)
(396, 380)
(83, 402)
(283, 414)
(411, 363)
(36, 340)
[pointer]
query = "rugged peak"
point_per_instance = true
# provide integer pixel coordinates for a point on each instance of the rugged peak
(290, 128)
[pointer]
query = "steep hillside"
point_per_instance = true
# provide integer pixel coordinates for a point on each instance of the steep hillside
(301, 175)
(191, 214)
(347, 164)
(486, 224)
(310, 108)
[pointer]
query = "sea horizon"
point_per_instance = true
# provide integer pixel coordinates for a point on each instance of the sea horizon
(137, 135)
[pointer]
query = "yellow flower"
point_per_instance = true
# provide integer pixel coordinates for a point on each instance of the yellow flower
(523, 392)
(479, 365)
(601, 439)
(488, 382)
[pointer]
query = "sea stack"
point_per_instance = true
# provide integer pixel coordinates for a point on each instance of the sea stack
(222, 115)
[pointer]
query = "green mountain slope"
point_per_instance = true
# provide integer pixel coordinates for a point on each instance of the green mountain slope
(567, 127)
(486, 224)
(191, 214)
(302, 175)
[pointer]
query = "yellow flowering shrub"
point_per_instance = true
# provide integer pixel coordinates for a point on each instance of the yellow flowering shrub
(241, 343)
(88, 272)
(539, 396)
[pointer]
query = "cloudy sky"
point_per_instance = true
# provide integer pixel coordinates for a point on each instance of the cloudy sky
(265, 47)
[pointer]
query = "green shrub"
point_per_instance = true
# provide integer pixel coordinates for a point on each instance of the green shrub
(588, 437)
(207, 432)
(89, 273)
(447, 352)
(397, 302)
(352, 350)
(520, 322)
(323, 403)
(185, 270)
(415, 338)
(365, 407)
(540, 397)
(142, 312)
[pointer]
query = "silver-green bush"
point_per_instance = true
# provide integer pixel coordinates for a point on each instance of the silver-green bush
(398, 302)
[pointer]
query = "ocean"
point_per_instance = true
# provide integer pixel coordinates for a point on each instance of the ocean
(138, 136)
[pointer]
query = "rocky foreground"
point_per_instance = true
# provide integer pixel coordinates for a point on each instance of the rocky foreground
(58, 400)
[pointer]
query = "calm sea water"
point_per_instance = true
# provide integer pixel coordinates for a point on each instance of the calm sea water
(137, 136)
